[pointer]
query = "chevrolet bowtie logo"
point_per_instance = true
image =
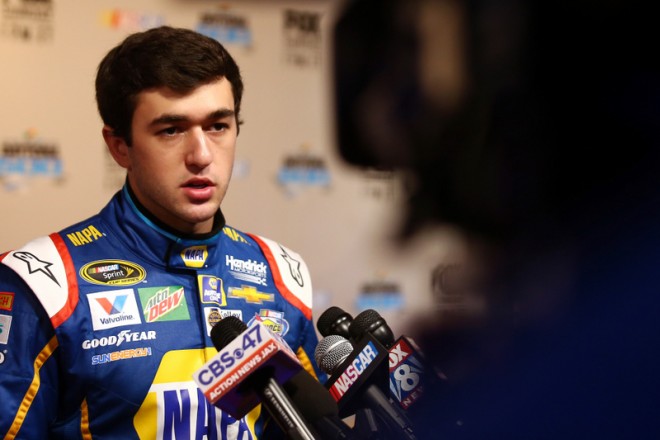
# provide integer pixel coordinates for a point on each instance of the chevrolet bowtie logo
(250, 294)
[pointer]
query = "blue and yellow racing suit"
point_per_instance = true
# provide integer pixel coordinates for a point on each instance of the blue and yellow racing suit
(103, 324)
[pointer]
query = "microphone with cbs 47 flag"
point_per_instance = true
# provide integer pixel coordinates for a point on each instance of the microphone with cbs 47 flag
(253, 366)
(409, 370)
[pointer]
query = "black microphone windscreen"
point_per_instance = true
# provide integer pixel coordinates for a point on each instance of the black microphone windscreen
(334, 321)
(226, 331)
(370, 321)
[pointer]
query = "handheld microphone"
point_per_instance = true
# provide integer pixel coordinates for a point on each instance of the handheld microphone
(248, 369)
(318, 407)
(334, 321)
(409, 371)
(359, 380)
(370, 321)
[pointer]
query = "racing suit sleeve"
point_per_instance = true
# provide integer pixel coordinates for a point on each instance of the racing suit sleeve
(305, 353)
(28, 362)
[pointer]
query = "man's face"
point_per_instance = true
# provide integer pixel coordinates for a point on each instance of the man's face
(181, 160)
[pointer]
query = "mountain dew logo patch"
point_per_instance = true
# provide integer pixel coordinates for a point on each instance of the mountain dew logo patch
(164, 304)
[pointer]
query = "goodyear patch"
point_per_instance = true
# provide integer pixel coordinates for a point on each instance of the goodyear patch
(113, 273)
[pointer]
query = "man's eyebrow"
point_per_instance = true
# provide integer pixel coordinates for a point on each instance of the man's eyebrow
(221, 113)
(171, 118)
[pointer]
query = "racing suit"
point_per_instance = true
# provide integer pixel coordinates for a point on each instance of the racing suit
(103, 324)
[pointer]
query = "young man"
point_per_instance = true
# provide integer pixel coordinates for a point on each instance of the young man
(103, 324)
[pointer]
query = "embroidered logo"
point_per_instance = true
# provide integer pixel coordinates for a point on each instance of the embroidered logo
(212, 290)
(195, 256)
(272, 319)
(6, 301)
(36, 265)
(113, 273)
(164, 304)
(250, 294)
(294, 267)
(113, 309)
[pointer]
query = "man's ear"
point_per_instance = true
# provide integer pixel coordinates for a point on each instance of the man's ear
(117, 147)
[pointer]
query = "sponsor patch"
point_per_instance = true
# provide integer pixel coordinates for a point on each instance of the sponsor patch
(113, 309)
(113, 273)
(121, 355)
(175, 405)
(235, 236)
(250, 294)
(164, 304)
(247, 270)
(5, 327)
(272, 319)
(214, 315)
(84, 236)
(6, 301)
(294, 267)
(212, 290)
(195, 256)
(118, 339)
(35, 265)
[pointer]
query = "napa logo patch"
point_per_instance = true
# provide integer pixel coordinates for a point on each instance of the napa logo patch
(194, 256)
(175, 407)
(85, 236)
(272, 319)
(113, 273)
(113, 309)
(164, 304)
(212, 290)
(235, 236)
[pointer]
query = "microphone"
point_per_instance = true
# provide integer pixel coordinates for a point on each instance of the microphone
(317, 406)
(359, 380)
(334, 321)
(407, 372)
(248, 369)
(370, 321)
(408, 369)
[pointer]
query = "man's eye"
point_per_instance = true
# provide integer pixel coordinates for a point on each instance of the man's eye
(169, 131)
(219, 126)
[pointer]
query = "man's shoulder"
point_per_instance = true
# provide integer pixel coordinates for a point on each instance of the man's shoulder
(290, 272)
(44, 265)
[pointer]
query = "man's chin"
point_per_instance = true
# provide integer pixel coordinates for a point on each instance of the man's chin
(202, 217)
